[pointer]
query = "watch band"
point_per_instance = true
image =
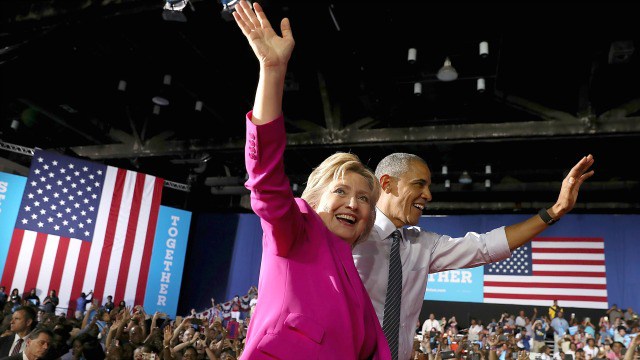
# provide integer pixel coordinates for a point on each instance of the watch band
(544, 215)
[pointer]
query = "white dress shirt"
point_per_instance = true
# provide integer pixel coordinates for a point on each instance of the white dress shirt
(15, 340)
(422, 252)
(430, 324)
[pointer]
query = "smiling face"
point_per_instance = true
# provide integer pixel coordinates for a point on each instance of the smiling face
(345, 206)
(404, 197)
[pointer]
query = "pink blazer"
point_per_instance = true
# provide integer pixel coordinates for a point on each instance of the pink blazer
(313, 304)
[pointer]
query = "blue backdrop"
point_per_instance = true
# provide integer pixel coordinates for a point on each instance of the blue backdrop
(619, 231)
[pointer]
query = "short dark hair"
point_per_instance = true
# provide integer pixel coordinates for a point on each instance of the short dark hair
(36, 333)
(29, 313)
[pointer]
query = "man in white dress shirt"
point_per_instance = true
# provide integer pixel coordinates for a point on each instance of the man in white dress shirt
(429, 324)
(405, 181)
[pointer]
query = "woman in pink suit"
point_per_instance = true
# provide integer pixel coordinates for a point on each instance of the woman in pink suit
(313, 304)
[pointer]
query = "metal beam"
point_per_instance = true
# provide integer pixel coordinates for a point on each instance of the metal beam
(534, 108)
(625, 109)
(373, 137)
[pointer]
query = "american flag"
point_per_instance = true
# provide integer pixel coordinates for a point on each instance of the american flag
(83, 226)
(570, 270)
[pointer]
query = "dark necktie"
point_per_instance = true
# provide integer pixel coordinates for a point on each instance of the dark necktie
(391, 321)
(16, 349)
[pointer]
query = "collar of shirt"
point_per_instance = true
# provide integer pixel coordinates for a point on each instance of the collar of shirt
(384, 226)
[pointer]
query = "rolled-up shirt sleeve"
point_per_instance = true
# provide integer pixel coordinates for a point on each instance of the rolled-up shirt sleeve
(471, 250)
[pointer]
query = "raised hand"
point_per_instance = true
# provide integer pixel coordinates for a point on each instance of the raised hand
(270, 49)
(571, 185)
(168, 333)
(493, 340)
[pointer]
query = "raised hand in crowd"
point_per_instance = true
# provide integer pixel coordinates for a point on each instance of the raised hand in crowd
(190, 341)
(166, 342)
(523, 355)
(178, 328)
(153, 328)
(632, 350)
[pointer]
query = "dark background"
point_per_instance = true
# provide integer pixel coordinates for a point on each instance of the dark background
(562, 81)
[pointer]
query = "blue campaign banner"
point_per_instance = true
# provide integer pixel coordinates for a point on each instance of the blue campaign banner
(167, 261)
(11, 189)
(456, 285)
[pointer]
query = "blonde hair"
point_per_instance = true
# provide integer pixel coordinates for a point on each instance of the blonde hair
(335, 167)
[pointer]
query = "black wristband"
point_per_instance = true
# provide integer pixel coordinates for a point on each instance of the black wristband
(544, 215)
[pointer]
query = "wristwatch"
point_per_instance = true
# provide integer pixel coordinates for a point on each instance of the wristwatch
(544, 215)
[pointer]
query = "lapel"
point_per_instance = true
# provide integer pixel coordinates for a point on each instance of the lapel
(342, 253)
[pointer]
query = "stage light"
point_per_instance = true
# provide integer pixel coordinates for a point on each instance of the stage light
(228, 7)
(465, 178)
(172, 10)
(480, 85)
(484, 49)
(175, 5)
(411, 58)
(447, 72)
(417, 89)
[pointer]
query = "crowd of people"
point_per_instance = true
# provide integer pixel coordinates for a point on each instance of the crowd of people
(109, 331)
(540, 336)
(103, 330)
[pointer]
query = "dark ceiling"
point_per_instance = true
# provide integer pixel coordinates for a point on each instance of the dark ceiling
(562, 81)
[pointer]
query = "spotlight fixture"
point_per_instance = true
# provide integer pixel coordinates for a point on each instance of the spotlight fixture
(228, 7)
(487, 169)
(447, 72)
(484, 49)
(172, 10)
(487, 184)
(417, 89)
(122, 85)
(480, 85)
(199, 105)
(175, 5)
(447, 184)
(465, 178)
(411, 58)
(159, 100)
(445, 170)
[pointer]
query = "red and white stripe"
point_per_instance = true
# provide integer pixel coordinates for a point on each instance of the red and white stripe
(116, 261)
(570, 270)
